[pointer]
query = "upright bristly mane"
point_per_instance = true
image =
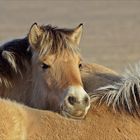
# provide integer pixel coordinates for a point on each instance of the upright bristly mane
(56, 41)
(14, 56)
(123, 95)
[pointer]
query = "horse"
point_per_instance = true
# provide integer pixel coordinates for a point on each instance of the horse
(42, 70)
(119, 91)
(18, 121)
(106, 88)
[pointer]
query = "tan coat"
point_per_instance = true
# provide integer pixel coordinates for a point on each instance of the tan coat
(18, 122)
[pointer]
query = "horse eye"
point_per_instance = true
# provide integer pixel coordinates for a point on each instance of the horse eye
(45, 66)
(80, 65)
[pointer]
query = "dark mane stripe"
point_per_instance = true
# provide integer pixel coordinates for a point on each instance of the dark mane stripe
(18, 49)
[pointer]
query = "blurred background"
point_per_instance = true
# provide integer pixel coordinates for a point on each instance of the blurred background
(111, 28)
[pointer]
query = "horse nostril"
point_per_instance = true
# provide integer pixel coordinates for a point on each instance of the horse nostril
(72, 100)
(86, 100)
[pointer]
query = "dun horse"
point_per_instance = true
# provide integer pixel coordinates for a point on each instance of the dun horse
(46, 72)
(43, 70)
(120, 92)
(21, 122)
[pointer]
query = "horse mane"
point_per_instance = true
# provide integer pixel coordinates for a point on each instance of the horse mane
(122, 95)
(56, 41)
(14, 55)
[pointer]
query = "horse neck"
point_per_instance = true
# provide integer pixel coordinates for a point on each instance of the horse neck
(95, 76)
(20, 89)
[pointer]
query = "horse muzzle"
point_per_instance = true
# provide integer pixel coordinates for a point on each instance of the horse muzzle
(76, 103)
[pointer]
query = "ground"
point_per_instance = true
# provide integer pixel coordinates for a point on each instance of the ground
(111, 28)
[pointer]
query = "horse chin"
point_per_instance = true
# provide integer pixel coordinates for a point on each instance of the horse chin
(69, 115)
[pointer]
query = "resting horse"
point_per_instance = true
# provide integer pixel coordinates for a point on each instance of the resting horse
(42, 70)
(118, 91)
(21, 122)
(107, 87)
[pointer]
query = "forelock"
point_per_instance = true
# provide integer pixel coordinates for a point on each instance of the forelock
(56, 41)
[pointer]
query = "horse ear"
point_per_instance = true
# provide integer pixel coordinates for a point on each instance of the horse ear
(77, 33)
(34, 35)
